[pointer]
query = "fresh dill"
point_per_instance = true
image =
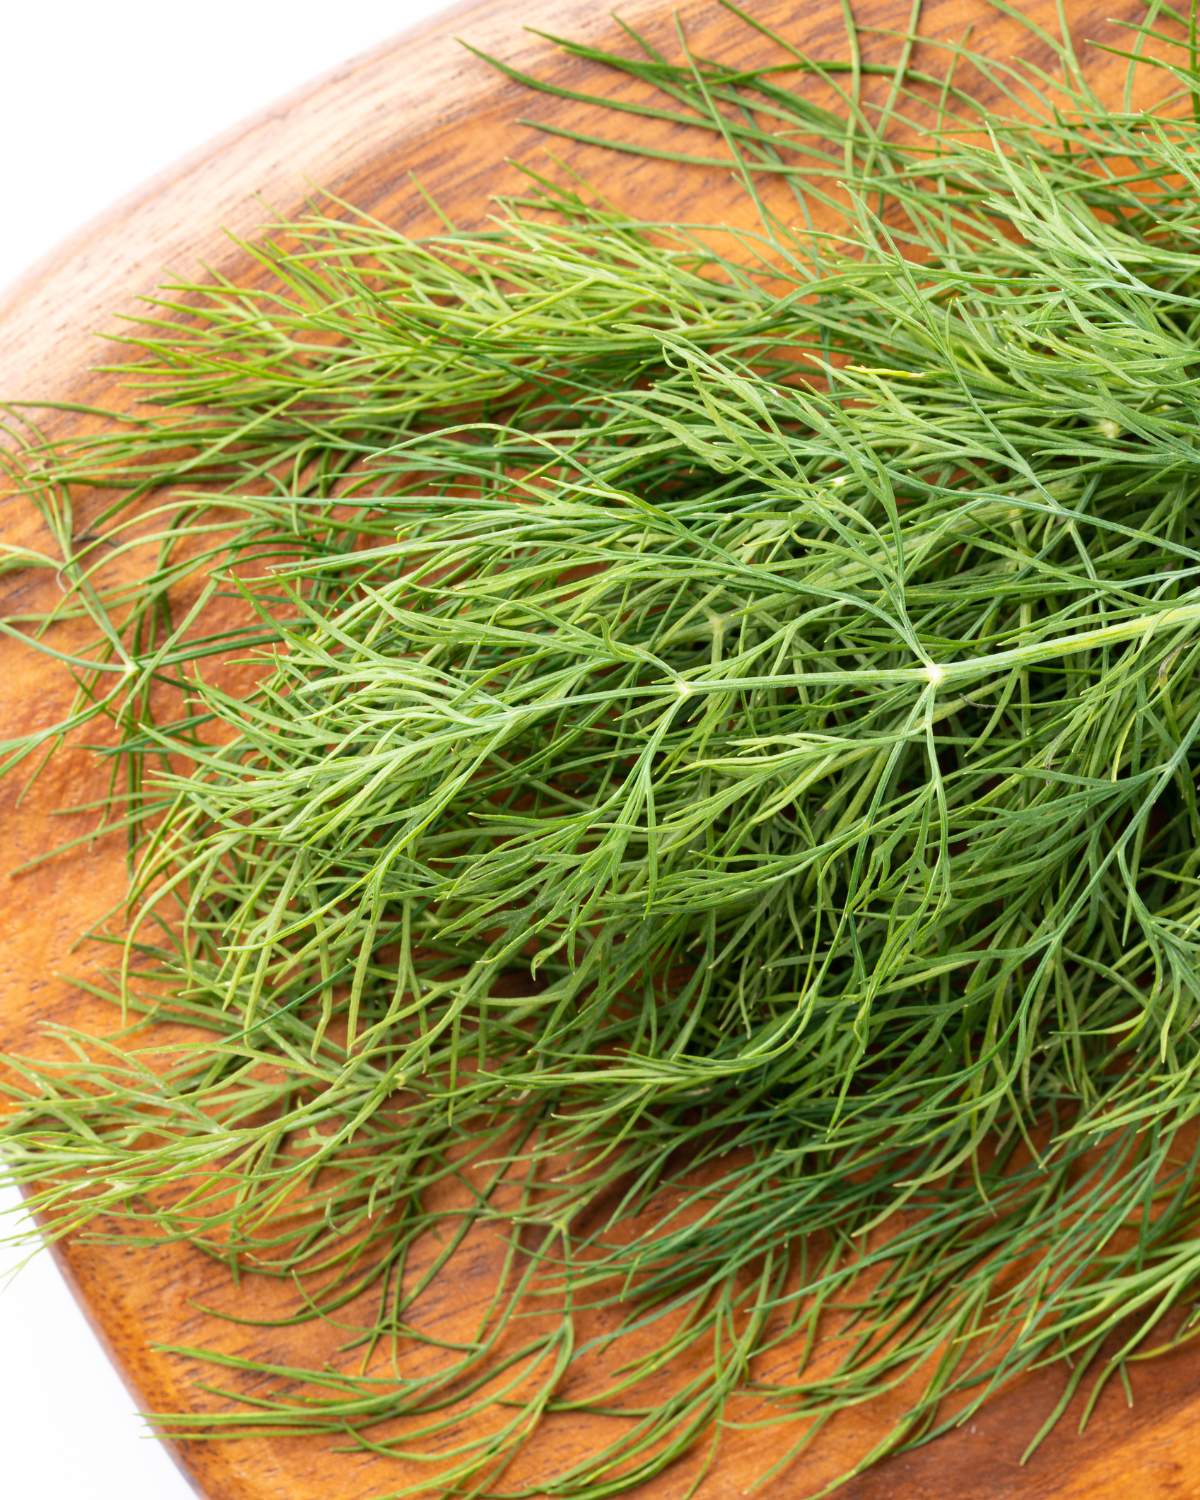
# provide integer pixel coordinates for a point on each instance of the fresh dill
(676, 748)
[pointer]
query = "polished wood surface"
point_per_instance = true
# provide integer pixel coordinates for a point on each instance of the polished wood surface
(423, 106)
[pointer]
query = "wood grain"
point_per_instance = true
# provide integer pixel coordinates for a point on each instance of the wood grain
(424, 107)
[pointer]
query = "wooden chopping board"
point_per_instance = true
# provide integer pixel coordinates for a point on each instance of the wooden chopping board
(423, 107)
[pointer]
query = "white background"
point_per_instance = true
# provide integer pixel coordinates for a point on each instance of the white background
(97, 98)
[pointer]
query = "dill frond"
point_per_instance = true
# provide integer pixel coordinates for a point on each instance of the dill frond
(672, 745)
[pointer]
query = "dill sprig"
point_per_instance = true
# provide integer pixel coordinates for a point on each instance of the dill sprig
(672, 745)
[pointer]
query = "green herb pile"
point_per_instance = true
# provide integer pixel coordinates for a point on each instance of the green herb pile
(712, 773)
